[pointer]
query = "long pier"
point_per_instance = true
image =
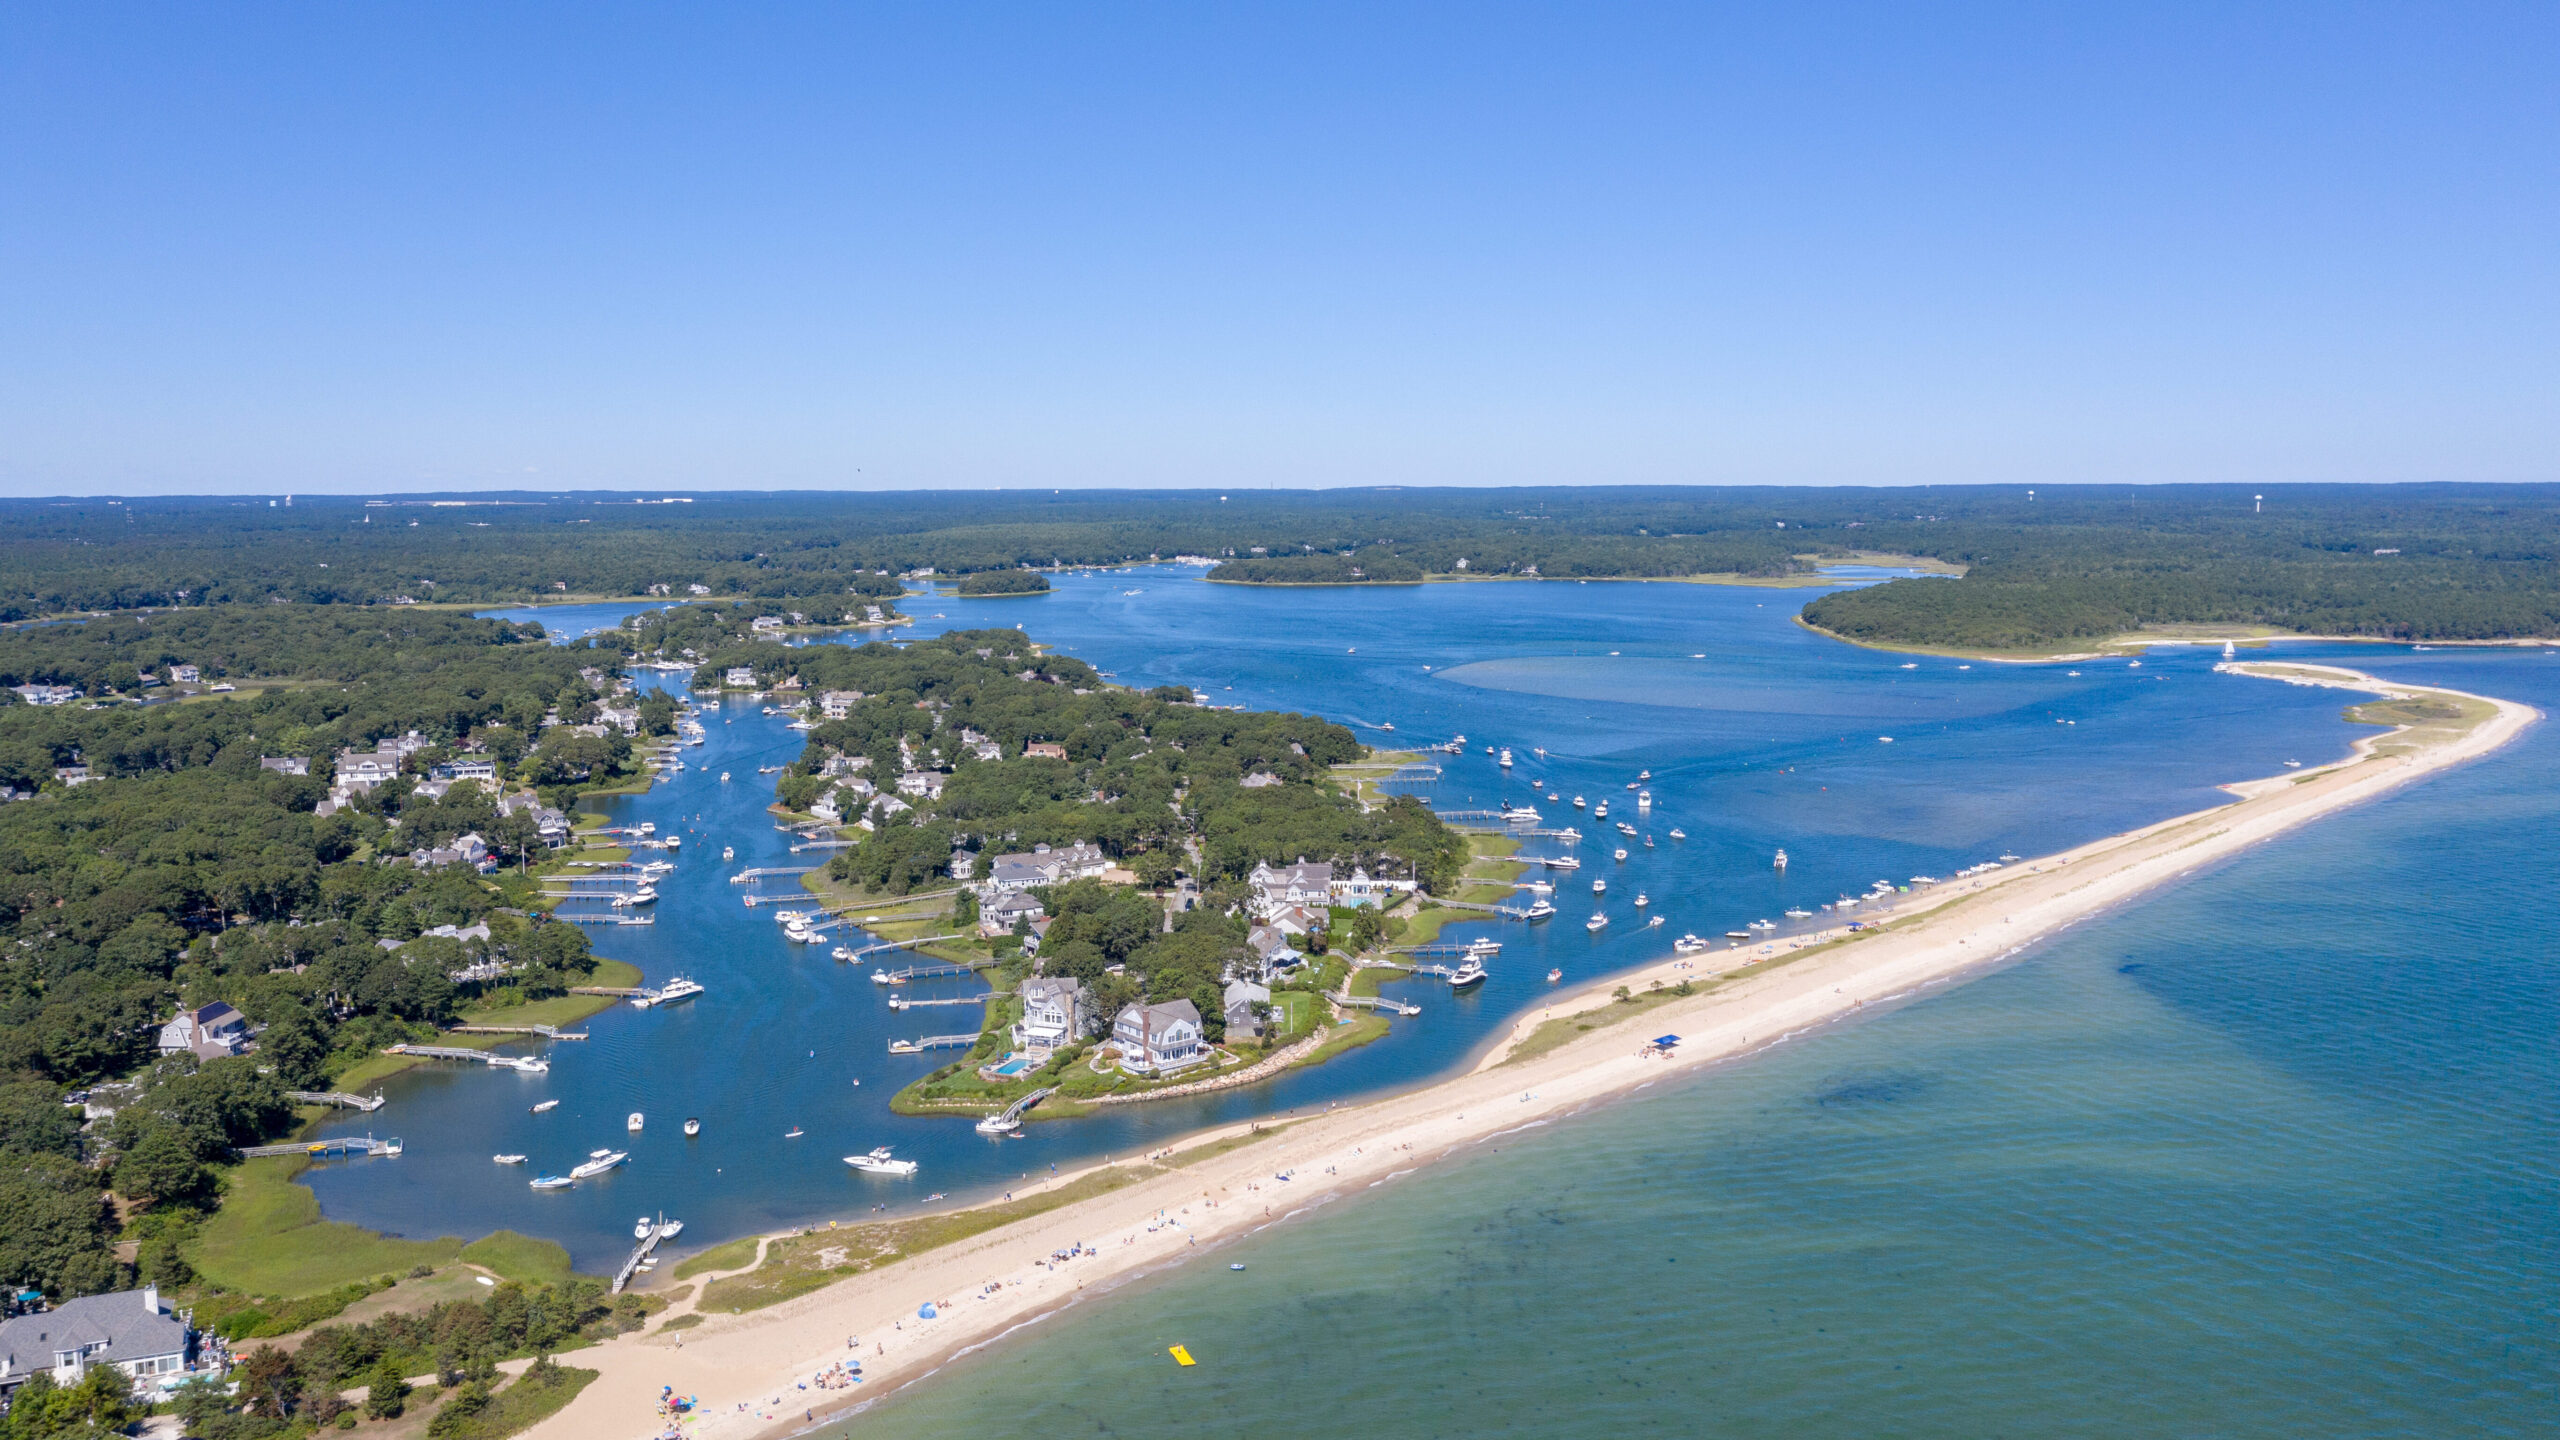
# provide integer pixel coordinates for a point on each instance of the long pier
(366, 1103)
(326, 1149)
(608, 919)
(625, 991)
(746, 877)
(933, 1042)
(547, 1032)
(479, 1057)
(1011, 1119)
(897, 945)
(1452, 948)
(926, 972)
(900, 1002)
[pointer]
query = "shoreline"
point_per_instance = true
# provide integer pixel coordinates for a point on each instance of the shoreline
(2130, 643)
(747, 1367)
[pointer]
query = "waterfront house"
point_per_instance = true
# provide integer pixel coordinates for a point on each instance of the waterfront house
(207, 1032)
(1159, 1039)
(766, 625)
(471, 769)
(997, 916)
(1279, 887)
(837, 704)
(130, 1329)
(1053, 1016)
(1240, 998)
(1271, 948)
(1360, 890)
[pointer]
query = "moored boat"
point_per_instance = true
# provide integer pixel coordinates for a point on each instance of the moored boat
(508, 1159)
(692, 1125)
(1596, 922)
(880, 1162)
(635, 1122)
(546, 1105)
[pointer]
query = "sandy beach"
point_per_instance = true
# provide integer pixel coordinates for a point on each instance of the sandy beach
(753, 1373)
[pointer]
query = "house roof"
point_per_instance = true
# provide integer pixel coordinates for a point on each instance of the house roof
(129, 1324)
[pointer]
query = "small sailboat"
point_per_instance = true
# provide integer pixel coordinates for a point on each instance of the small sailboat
(692, 1125)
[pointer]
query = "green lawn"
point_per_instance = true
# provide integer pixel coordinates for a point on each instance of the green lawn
(268, 1238)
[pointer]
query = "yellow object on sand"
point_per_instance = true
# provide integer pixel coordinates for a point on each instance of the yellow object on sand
(1180, 1355)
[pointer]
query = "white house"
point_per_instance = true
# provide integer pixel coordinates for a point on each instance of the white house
(1045, 865)
(766, 624)
(207, 1032)
(1053, 1015)
(964, 864)
(47, 694)
(1278, 887)
(837, 704)
(130, 1329)
(185, 674)
(742, 677)
(925, 783)
(997, 916)
(1159, 1039)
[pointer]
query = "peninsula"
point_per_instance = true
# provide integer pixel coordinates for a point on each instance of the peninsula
(994, 1269)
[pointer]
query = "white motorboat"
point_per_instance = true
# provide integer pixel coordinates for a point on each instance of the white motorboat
(1642, 900)
(641, 1230)
(635, 1122)
(1554, 975)
(1679, 834)
(1621, 853)
(1781, 862)
(1799, 914)
(1484, 947)
(508, 1159)
(552, 1182)
(1600, 811)
(1644, 774)
(1689, 944)
(682, 987)
(1625, 829)
(1564, 862)
(670, 1229)
(998, 1125)
(1538, 750)
(1596, 922)
(1599, 887)
(1656, 920)
(1470, 972)
(1577, 802)
(692, 1125)
(1505, 761)
(1539, 910)
(546, 1105)
(879, 1162)
(724, 777)
(599, 1164)
(728, 852)
(1644, 799)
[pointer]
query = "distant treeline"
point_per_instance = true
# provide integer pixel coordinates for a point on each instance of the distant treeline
(2072, 562)
(1004, 582)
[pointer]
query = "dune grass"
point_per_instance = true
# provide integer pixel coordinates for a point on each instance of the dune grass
(511, 1256)
(727, 1256)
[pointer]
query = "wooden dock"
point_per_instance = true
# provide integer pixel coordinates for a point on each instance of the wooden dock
(927, 972)
(1375, 1002)
(900, 1002)
(749, 877)
(622, 990)
(547, 1032)
(869, 950)
(933, 1042)
(639, 1252)
(327, 1149)
(366, 1103)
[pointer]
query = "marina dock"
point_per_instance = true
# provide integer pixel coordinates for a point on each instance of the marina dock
(900, 1002)
(608, 919)
(749, 877)
(1376, 1002)
(640, 1252)
(626, 991)
(545, 1031)
(479, 1057)
(868, 950)
(927, 972)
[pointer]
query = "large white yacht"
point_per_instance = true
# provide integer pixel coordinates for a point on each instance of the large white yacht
(878, 1162)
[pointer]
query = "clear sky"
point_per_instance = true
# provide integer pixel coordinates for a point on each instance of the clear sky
(364, 247)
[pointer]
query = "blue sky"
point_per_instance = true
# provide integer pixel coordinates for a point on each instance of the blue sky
(392, 247)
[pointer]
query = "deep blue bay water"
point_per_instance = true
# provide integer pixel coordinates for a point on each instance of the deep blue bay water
(2269, 1152)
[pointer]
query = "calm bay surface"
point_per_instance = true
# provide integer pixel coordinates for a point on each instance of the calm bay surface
(2270, 1153)
(1759, 735)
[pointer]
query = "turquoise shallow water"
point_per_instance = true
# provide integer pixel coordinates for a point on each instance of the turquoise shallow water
(2270, 1153)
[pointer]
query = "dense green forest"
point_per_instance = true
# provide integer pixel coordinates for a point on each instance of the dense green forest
(182, 872)
(1004, 582)
(2049, 564)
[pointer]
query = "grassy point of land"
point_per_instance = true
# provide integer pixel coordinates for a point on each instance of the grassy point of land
(268, 1238)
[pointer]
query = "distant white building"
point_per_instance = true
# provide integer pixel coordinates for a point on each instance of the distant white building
(837, 704)
(926, 784)
(185, 674)
(766, 624)
(46, 694)
(1045, 865)
(741, 677)
(1278, 887)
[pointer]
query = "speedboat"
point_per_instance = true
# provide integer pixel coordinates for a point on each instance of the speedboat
(1625, 829)
(724, 777)
(599, 1164)
(692, 1125)
(1622, 854)
(1564, 862)
(1642, 900)
(998, 1125)
(1577, 802)
(1596, 922)
(1689, 944)
(1644, 799)
(635, 1122)
(1600, 811)
(1656, 920)
(1644, 774)
(552, 1182)
(1679, 834)
(728, 852)
(679, 988)
(546, 1105)
(1483, 947)
(508, 1159)
(1599, 887)
(670, 1229)
(1470, 972)
(641, 1230)
(1538, 910)
(1505, 761)
(1799, 914)
(878, 1162)
(1779, 863)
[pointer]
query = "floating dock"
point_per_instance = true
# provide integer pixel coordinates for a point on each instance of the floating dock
(366, 1103)
(328, 1149)
(933, 1042)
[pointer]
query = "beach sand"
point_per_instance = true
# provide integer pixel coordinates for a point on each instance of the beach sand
(748, 1369)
